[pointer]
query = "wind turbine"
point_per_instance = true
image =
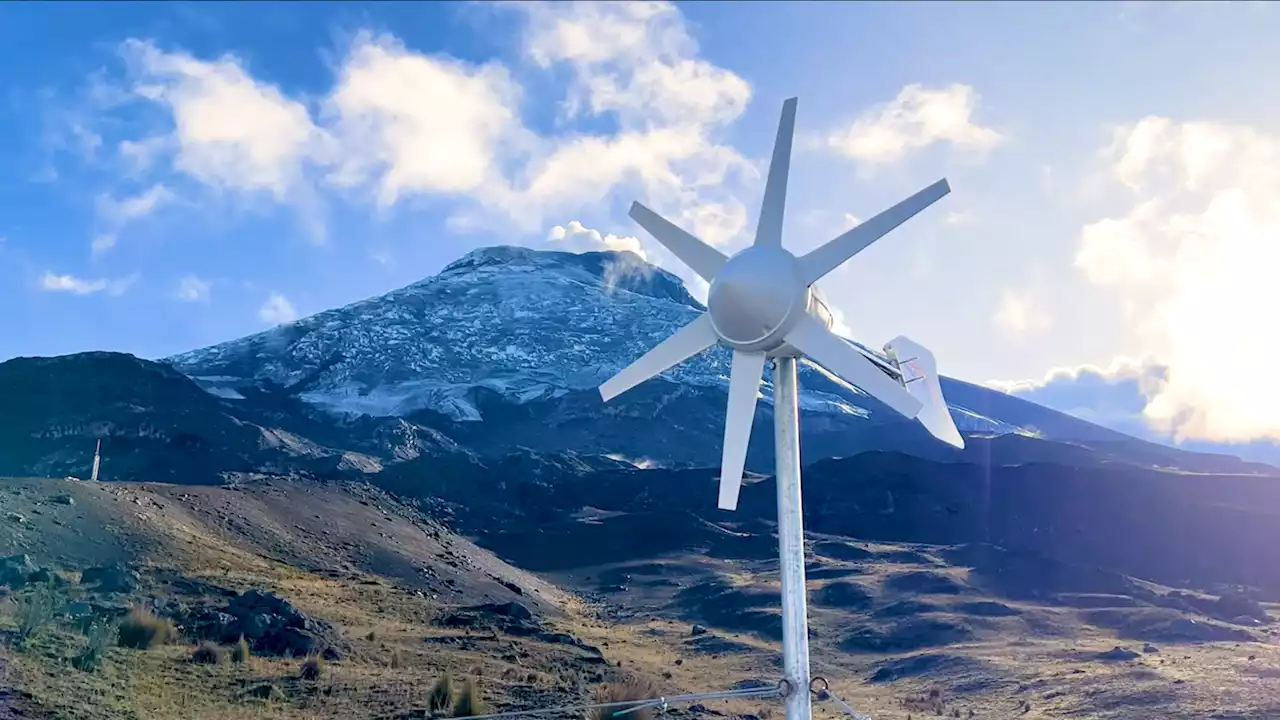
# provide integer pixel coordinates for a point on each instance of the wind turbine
(762, 304)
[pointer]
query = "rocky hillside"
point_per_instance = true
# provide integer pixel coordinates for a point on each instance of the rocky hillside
(674, 602)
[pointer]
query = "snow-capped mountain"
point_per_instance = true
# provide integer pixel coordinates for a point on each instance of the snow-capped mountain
(525, 324)
(497, 356)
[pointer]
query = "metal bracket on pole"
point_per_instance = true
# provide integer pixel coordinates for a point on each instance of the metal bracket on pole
(795, 621)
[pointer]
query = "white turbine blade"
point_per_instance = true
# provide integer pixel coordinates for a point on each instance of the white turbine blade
(843, 360)
(682, 345)
(823, 260)
(699, 256)
(744, 386)
(769, 230)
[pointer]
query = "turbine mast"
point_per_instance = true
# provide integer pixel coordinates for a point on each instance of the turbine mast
(795, 611)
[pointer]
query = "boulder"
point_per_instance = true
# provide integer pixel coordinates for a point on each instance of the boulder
(507, 609)
(1117, 653)
(111, 578)
(271, 624)
(16, 570)
(261, 602)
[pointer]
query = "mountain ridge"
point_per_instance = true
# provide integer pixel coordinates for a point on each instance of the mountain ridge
(526, 324)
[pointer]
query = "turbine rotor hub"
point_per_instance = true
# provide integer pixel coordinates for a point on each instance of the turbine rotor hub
(756, 298)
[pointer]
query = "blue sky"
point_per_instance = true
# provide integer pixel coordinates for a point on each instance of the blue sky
(176, 175)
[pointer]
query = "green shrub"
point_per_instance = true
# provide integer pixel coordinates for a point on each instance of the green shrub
(102, 635)
(469, 703)
(141, 630)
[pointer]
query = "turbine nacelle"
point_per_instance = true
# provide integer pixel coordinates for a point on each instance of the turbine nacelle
(762, 304)
(757, 298)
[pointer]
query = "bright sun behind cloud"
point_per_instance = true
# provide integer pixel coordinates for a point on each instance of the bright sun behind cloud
(1198, 257)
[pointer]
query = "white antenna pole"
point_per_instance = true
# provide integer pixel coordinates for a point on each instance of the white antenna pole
(795, 621)
(97, 459)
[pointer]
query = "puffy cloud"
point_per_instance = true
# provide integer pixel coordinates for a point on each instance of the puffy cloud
(638, 63)
(277, 310)
(575, 237)
(1194, 261)
(635, 59)
(230, 130)
(414, 123)
(1113, 396)
(52, 282)
(398, 124)
(192, 289)
(1116, 397)
(915, 119)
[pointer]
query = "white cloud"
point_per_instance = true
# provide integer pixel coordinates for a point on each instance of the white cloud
(52, 282)
(231, 130)
(637, 63)
(915, 119)
(1019, 314)
(635, 59)
(398, 124)
(1147, 370)
(277, 310)
(1194, 259)
(192, 289)
(577, 238)
(413, 123)
(113, 215)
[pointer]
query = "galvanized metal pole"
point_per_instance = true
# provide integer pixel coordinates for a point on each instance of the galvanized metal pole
(795, 620)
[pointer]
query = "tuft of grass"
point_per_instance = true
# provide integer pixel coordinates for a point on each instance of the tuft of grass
(142, 631)
(208, 654)
(468, 702)
(240, 651)
(312, 669)
(102, 635)
(37, 609)
(631, 690)
(441, 697)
